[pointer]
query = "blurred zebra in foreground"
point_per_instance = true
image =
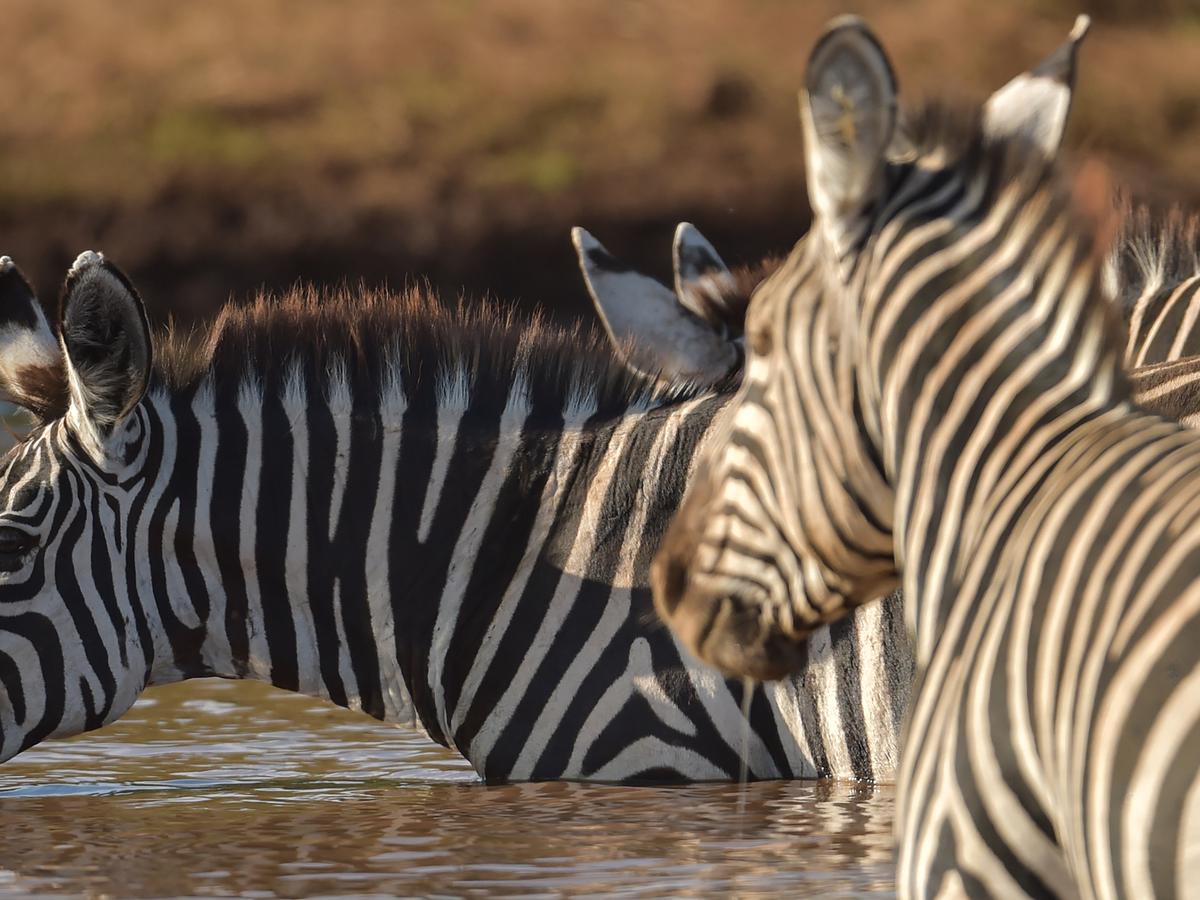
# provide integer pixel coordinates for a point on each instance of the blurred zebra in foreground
(971, 434)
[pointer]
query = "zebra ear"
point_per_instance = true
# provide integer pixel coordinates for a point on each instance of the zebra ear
(848, 110)
(654, 333)
(1035, 104)
(31, 361)
(106, 337)
(699, 270)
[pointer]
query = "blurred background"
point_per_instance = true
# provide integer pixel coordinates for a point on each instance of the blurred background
(214, 148)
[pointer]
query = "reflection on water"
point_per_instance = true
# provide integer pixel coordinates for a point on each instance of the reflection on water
(232, 789)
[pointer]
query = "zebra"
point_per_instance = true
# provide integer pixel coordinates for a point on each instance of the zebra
(935, 397)
(1154, 272)
(436, 515)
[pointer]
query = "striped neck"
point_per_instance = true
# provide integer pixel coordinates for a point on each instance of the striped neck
(989, 350)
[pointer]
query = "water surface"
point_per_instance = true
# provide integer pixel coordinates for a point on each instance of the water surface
(218, 789)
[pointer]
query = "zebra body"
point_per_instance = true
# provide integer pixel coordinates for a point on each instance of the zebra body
(433, 516)
(935, 397)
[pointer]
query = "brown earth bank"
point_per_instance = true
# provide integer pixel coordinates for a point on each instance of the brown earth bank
(213, 149)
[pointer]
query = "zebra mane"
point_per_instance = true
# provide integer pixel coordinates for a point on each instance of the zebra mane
(1150, 250)
(373, 339)
(726, 300)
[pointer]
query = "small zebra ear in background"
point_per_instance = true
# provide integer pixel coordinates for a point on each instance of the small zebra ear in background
(106, 336)
(651, 330)
(848, 109)
(1036, 103)
(31, 361)
(701, 276)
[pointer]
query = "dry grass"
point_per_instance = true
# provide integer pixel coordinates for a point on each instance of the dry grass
(217, 145)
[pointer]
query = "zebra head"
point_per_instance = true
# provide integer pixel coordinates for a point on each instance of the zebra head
(789, 523)
(697, 333)
(74, 649)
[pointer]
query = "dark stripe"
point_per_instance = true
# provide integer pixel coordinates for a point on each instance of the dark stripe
(322, 566)
(272, 521)
(182, 489)
(135, 488)
(848, 693)
(363, 461)
(75, 601)
(229, 469)
(1168, 818)
(186, 642)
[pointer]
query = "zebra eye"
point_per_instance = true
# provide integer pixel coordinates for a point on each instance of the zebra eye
(14, 544)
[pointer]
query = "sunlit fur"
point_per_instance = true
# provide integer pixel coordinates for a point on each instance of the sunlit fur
(430, 512)
(1154, 272)
(934, 392)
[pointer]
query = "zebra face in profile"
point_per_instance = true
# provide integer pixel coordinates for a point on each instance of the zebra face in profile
(747, 570)
(75, 650)
(788, 524)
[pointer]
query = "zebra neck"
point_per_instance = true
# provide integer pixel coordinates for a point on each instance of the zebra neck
(967, 428)
(371, 550)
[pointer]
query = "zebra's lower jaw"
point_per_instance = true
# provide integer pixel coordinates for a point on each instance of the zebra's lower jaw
(767, 657)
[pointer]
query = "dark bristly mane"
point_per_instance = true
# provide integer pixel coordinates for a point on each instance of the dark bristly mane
(376, 337)
(372, 339)
(726, 300)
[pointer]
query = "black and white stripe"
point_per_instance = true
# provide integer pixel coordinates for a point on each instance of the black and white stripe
(935, 397)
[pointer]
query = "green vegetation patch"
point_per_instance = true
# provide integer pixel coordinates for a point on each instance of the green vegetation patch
(203, 137)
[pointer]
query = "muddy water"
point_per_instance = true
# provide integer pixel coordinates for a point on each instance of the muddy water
(232, 789)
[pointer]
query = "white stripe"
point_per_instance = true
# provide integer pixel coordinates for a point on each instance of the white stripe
(341, 406)
(216, 651)
(249, 404)
(453, 396)
(397, 703)
(295, 404)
